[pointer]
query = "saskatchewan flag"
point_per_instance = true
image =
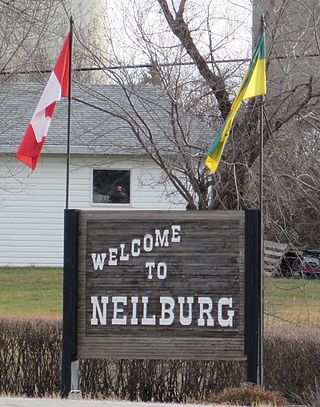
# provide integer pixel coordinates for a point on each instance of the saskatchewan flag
(253, 84)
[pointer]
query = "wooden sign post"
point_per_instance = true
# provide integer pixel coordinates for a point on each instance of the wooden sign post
(162, 285)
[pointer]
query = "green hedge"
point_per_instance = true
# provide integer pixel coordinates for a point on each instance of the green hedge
(30, 362)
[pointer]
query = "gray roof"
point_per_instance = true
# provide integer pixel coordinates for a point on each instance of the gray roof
(106, 130)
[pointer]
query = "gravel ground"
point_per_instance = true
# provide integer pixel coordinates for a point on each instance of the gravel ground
(24, 402)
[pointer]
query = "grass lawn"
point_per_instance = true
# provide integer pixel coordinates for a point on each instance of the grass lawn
(31, 292)
(290, 301)
(37, 292)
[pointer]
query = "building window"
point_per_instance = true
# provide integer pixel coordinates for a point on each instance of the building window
(111, 186)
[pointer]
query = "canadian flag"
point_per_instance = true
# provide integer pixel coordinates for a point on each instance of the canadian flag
(56, 88)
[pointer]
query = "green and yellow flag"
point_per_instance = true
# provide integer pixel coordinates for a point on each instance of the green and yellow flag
(253, 84)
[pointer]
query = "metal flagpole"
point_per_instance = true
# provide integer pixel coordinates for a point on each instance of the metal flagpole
(69, 115)
(261, 319)
(69, 266)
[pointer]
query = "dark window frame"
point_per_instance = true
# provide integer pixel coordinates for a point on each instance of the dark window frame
(106, 186)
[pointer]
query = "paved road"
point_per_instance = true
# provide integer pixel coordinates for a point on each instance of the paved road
(23, 402)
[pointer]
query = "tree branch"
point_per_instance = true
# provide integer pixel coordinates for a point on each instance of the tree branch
(180, 29)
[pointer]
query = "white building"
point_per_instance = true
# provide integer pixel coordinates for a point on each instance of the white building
(105, 153)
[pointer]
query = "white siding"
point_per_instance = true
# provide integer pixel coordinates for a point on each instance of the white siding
(32, 204)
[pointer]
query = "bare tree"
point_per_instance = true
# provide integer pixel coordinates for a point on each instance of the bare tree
(187, 103)
(292, 164)
(167, 34)
(32, 32)
(29, 32)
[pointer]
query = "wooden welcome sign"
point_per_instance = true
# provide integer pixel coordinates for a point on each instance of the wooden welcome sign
(161, 285)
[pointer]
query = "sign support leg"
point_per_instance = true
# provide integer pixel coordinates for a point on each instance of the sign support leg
(253, 294)
(70, 270)
(75, 392)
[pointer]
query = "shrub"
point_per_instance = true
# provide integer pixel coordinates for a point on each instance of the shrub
(292, 362)
(30, 364)
(30, 357)
(158, 380)
(248, 395)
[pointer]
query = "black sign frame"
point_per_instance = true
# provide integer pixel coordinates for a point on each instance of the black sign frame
(70, 294)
